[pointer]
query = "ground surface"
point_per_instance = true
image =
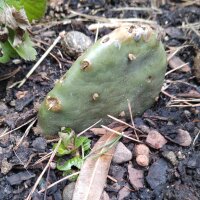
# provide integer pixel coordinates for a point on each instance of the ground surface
(19, 105)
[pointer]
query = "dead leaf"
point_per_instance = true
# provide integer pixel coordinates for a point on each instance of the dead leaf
(3, 34)
(92, 178)
(190, 94)
(98, 131)
(21, 94)
(175, 62)
(10, 74)
(14, 19)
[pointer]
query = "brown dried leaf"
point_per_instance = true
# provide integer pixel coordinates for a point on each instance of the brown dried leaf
(98, 131)
(14, 19)
(175, 62)
(92, 178)
(190, 94)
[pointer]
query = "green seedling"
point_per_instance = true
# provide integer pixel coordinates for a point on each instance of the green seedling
(15, 16)
(74, 147)
(129, 63)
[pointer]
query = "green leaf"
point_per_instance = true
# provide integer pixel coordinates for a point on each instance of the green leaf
(87, 144)
(62, 150)
(7, 51)
(35, 9)
(68, 172)
(67, 135)
(15, 3)
(79, 141)
(73, 162)
(25, 49)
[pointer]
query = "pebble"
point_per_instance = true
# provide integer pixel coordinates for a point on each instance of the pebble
(142, 160)
(180, 155)
(141, 149)
(170, 156)
(18, 178)
(122, 154)
(74, 43)
(68, 191)
(136, 177)
(183, 138)
(157, 173)
(155, 139)
(117, 172)
(39, 144)
(194, 161)
(3, 109)
(5, 166)
(123, 193)
(142, 155)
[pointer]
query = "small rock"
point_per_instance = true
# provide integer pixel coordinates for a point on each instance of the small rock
(57, 195)
(17, 179)
(104, 196)
(194, 161)
(5, 166)
(136, 177)
(117, 172)
(142, 160)
(23, 102)
(68, 191)
(155, 139)
(39, 144)
(170, 156)
(115, 187)
(175, 32)
(183, 138)
(157, 173)
(180, 155)
(144, 128)
(123, 193)
(3, 109)
(141, 149)
(142, 155)
(22, 154)
(74, 43)
(122, 154)
(53, 165)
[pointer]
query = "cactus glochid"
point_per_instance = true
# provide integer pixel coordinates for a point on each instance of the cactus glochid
(129, 63)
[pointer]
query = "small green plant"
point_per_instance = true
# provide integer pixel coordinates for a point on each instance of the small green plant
(15, 18)
(76, 148)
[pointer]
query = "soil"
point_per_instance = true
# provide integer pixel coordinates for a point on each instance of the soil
(18, 106)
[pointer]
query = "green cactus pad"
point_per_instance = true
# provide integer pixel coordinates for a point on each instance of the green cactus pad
(129, 63)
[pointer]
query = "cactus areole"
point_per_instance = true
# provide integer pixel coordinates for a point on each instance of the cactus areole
(129, 63)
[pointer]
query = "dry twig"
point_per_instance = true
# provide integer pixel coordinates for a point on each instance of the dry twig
(41, 59)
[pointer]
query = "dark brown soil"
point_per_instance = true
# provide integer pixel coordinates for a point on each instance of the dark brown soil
(19, 105)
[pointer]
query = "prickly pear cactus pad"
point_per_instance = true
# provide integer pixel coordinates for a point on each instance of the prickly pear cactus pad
(129, 63)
